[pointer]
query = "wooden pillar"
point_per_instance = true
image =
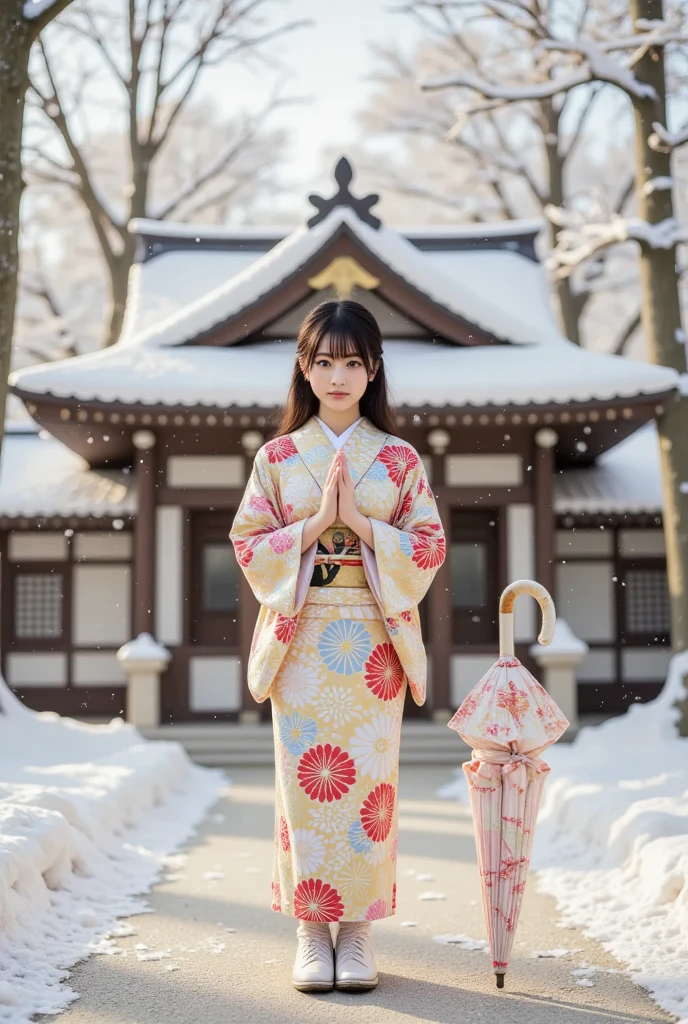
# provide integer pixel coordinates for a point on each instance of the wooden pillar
(545, 522)
(145, 467)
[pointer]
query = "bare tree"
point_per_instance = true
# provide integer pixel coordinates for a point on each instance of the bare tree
(154, 54)
(527, 148)
(20, 25)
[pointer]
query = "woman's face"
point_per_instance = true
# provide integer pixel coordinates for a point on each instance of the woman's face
(339, 384)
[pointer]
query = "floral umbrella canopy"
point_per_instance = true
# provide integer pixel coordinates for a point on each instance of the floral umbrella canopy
(509, 719)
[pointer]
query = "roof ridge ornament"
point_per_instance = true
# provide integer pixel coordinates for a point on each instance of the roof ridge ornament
(343, 174)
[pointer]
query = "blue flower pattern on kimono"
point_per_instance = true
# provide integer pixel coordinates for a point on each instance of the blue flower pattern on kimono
(344, 646)
(317, 454)
(378, 472)
(297, 733)
(405, 543)
(359, 841)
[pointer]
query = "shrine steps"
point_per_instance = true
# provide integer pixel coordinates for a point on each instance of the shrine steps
(233, 743)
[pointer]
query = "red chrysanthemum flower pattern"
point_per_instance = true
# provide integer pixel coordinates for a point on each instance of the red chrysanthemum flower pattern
(280, 448)
(315, 900)
(383, 672)
(326, 772)
(377, 812)
(428, 552)
(407, 616)
(403, 509)
(376, 910)
(399, 460)
(276, 897)
(285, 628)
(285, 841)
(243, 551)
(394, 896)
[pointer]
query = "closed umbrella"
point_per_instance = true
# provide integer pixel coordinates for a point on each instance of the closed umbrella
(509, 719)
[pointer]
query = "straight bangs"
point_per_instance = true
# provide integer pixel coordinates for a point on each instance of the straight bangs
(343, 341)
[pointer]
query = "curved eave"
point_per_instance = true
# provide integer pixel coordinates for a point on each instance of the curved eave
(248, 321)
(101, 432)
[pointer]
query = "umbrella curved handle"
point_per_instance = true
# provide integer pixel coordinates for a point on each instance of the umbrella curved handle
(506, 613)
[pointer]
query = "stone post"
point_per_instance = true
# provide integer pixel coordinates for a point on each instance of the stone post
(143, 659)
(559, 661)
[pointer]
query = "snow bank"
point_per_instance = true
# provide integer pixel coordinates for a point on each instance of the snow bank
(88, 817)
(612, 839)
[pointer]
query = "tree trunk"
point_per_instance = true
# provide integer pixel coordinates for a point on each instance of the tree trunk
(15, 44)
(568, 306)
(122, 264)
(661, 319)
(119, 289)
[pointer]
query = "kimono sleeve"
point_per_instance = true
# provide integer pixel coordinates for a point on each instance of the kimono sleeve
(408, 550)
(268, 547)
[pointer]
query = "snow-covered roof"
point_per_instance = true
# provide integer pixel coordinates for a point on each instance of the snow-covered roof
(482, 307)
(160, 288)
(420, 373)
(175, 229)
(624, 479)
(40, 476)
(150, 228)
(180, 294)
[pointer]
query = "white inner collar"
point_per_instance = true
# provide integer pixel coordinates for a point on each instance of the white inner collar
(339, 439)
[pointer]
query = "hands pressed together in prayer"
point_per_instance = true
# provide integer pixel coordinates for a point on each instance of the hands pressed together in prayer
(338, 502)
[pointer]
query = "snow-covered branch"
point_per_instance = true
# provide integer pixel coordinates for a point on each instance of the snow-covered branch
(36, 8)
(579, 240)
(601, 67)
(511, 93)
(589, 61)
(664, 141)
(41, 12)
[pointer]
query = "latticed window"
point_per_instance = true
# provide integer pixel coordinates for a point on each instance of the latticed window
(38, 605)
(647, 602)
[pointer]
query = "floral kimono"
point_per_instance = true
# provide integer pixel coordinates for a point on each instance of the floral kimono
(336, 641)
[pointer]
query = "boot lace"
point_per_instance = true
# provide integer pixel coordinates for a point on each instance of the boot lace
(352, 942)
(316, 945)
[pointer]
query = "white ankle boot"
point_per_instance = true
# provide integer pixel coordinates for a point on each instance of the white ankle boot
(353, 957)
(314, 964)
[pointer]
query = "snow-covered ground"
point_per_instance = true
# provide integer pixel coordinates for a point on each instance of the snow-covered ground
(89, 816)
(612, 840)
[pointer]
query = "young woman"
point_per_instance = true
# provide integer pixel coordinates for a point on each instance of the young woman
(339, 537)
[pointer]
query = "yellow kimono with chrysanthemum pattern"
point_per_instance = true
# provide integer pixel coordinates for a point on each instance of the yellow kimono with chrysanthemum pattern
(336, 642)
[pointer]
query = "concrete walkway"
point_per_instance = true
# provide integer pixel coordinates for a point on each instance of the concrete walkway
(231, 956)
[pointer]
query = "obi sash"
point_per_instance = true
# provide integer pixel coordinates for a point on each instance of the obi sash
(338, 561)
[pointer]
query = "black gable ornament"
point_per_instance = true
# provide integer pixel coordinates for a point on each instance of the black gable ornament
(343, 175)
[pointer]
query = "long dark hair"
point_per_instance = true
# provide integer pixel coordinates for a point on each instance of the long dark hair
(348, 325)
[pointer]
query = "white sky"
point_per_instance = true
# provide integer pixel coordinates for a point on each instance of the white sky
(328, 62)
